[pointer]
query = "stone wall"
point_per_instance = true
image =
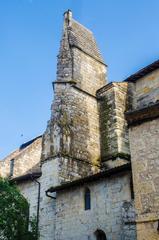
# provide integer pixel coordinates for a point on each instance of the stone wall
(73, 135)
(47, 210)
(29, 189)
(113, 102)
(48, 205)
(146, 90)
(108, 199)
(144, 147)
(74, 125)
(88, 73)
(73, 132)
(71, 142)
(26, 160)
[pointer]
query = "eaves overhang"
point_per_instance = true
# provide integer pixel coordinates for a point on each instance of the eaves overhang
(95, 177)
(143, 72)
(26, 177)
(145, 114)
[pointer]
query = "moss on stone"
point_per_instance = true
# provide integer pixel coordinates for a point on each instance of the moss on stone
(104, 118)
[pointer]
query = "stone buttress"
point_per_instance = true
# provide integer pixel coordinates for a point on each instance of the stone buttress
(72, 137)
(71, 142)
(114, 99)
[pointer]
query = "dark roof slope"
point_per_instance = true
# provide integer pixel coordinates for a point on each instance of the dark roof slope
(91, 178)
(26, 177)
(142, 115)
(141, 73)
(26, 144)
(82, 38)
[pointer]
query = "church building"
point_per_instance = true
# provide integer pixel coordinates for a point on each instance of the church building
(94, 173)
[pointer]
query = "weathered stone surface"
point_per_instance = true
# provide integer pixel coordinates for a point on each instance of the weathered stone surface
(73, 133)
(88, 132)
(26, 160)
(146, 90)
(143, 136)
(113, 102)
(108, 199)
(144, 147)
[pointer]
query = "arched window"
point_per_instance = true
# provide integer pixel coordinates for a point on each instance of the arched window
(87, 199)
(100, 235)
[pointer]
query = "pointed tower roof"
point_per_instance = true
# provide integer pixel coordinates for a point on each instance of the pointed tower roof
(81, 37)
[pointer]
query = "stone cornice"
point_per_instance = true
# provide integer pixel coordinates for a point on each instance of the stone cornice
(145, 114)
(68, 157)
(73, 84)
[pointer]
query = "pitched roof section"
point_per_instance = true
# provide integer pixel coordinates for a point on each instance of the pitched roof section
(82, 38)
(144, 71)
(26, 144)
(96, 177)
(26, 177)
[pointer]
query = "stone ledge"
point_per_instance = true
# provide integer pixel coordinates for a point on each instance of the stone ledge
(68, 157)
(73, 85)
(26, 177)
(145, 114)
(114, 156)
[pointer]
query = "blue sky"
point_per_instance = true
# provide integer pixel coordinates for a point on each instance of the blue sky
(126, 32)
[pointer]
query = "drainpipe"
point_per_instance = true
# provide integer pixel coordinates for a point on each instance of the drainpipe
(46, 192)
(38, 205)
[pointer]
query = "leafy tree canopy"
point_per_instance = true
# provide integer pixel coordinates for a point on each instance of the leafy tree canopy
(14, 213)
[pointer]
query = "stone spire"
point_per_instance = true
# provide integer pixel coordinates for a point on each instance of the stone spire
(77, 40)
(72, 137)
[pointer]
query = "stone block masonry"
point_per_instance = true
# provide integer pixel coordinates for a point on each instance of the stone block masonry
(73, 134)
(146, 90)
(144, 145)
(71, 142)
(26, 160)
(113, 102)
(111, 211)
(95, 130)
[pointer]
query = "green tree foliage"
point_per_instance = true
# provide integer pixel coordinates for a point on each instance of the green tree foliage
(14, 213)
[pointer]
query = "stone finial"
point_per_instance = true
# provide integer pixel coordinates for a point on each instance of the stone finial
(68, 16)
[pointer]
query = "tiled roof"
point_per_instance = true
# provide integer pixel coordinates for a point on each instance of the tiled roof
(95, 177)
(82, 38)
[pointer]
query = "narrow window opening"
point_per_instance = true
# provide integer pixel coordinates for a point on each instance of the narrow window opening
(100, 235)
(87, 199)
(11, 167)
(132, 188)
